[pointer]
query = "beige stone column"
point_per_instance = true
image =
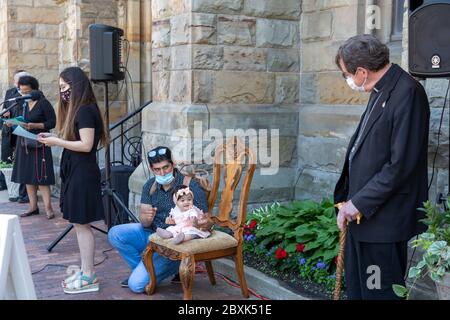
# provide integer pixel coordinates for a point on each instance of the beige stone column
(330, 110)
(4, 73)
(77, 15)
(225, 65)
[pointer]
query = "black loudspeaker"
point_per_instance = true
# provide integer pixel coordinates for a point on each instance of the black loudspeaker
(429, 38)
(105, 45)
(120, 175)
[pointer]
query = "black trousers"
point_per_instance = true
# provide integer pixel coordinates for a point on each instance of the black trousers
(7, 151)
(372, 268)
(7, 148)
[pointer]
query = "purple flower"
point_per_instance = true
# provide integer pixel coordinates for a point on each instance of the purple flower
(302, 261)
(321, 265)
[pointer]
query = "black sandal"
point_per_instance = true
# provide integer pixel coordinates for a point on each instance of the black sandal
(32, 213)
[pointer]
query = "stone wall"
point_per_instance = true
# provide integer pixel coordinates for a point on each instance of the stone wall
(226, 65)
(329, 109)
(46, 36)
(4, 81)
(33, 38)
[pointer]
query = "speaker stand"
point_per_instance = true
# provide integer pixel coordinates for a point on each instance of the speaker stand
(64, 233)
(112, 198)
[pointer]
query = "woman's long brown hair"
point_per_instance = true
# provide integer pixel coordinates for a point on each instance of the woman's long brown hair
(81, 95)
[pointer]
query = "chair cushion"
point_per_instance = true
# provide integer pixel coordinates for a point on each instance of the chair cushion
(218, 240)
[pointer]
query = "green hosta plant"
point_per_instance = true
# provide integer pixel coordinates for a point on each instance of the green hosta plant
(305, 227)
(435, 244)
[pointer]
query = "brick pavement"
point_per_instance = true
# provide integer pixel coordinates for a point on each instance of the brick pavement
(39, 232)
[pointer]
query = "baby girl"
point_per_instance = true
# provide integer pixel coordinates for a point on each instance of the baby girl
(184, 216)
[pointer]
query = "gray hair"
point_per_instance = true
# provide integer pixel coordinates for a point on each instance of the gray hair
(364, 51)
(19, 75)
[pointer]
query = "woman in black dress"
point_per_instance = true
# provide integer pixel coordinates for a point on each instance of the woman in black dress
(33, 163)
(81, 127)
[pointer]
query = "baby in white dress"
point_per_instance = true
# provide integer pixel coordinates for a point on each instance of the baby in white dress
(183, 216)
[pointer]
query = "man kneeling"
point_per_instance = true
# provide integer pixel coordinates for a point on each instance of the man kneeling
(131, 239)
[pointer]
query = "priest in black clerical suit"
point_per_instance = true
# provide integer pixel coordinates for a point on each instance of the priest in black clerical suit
(385, 175)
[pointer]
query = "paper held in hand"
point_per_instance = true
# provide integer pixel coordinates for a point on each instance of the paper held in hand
(15, 122)
(21, 132)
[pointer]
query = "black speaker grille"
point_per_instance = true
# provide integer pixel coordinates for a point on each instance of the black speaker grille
(429, 41)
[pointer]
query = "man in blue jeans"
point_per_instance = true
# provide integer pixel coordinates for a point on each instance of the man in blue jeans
(156, 201)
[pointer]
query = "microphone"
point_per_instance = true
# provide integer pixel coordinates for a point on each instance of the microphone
(33, 95)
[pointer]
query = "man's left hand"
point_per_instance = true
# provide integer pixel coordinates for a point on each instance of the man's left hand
(348, 212)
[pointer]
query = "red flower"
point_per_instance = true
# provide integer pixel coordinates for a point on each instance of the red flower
(280, 254)
(253, 223)
(248, 232)
(300, 247)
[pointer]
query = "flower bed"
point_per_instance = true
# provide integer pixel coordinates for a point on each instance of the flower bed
(297, 243)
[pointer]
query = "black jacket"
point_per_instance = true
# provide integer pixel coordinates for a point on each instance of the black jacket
(6, 131)
(389, 175)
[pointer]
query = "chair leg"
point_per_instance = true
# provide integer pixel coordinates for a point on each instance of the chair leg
(187, 272)
(239, 262)
(148, 262)
(210, 270)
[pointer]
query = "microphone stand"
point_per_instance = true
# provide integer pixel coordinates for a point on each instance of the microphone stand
(8, 109)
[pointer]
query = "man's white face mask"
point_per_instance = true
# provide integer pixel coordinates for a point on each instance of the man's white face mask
(351, 83)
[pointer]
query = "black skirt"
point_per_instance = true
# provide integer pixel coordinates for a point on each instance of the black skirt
(81, 198)
(33, 166)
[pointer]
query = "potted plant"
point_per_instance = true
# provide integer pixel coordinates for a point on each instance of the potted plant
(13, 188)
(435, 244)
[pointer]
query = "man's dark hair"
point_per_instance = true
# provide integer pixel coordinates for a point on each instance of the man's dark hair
(30, 81)
(364, 51)
(166, 156)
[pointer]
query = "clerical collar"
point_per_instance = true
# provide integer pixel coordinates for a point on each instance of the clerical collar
(385, 78)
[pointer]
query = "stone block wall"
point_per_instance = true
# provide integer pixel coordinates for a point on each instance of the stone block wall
(33, 41)
(329, 109)
(4, 81)
(227, 65)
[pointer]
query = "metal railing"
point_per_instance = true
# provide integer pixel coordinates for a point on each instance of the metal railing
(129, 146)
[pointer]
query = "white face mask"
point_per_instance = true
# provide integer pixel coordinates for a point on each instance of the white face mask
(351, 84)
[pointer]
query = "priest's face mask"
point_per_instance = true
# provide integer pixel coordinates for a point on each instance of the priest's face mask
(355, 81)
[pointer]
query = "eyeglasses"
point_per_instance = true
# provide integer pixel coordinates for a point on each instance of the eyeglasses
(161, 152)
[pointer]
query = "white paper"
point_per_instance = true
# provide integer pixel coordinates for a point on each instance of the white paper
(21, 132)
(14, 122)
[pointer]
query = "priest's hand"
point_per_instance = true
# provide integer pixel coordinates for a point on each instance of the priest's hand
(348, 212)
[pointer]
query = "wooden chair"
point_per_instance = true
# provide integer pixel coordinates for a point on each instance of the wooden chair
(219, 244)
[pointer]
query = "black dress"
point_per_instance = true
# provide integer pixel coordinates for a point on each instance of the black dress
(34, 166)
(81, 199)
